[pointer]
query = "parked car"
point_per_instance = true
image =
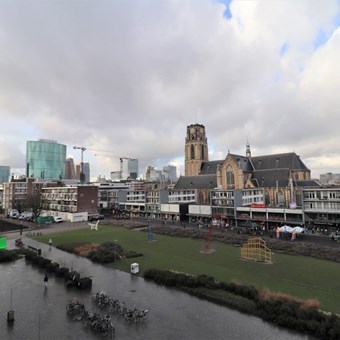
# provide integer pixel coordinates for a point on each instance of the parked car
(95, 217)
(14, 213)
(26, 216)
(58, 219)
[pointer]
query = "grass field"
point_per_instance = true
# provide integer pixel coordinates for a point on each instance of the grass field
(300, 276)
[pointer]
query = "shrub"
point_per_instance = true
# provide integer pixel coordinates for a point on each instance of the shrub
(36, 259)
(85, 249)
(70, 246)
(85, 283)
(106, 252)
(62, 272)
(8, 256)
(43, 263)
(52, 267)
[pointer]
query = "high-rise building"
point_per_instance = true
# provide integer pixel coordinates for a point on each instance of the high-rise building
(128, 168)
(4, 174)
(171, 170)
(70, 169)
(86, 171)
(45, 159)
(115, 175)
(167, 175)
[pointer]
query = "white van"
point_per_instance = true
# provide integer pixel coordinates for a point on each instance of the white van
(58, 219)
(26, 215)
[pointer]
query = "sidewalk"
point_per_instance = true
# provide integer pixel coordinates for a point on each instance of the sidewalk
(44, 229)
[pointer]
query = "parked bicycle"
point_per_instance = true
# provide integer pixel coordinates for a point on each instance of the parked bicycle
(104, 301)
(75, 309)
(98, 323)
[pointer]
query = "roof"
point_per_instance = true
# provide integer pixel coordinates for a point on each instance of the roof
(268, 178)
(243, 162)
(197, 182)
(279, 161)
(307, 183)
(210, 168)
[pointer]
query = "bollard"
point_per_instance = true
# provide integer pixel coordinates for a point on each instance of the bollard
(10, 316)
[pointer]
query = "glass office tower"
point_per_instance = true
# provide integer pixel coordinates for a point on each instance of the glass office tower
(45, 159)
(4, 174)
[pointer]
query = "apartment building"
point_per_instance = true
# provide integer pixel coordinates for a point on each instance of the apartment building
(72, 203)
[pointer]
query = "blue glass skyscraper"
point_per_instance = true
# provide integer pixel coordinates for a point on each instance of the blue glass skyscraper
(4, 174)
(45, 159)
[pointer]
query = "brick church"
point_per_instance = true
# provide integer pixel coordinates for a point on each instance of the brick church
(280, 175)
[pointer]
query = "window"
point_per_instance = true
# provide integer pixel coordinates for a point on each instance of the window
(192, 152)
(230, 178)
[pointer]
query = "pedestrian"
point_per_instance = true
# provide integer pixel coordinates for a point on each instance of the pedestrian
(20, 228)
(46, 280)
(50, 242)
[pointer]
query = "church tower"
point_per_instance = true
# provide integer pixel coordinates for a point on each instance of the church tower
(196, 149)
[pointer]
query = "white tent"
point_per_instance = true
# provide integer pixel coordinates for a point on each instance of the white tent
(286, 229)
(298, 230)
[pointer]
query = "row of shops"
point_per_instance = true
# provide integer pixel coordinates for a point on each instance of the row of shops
(268, 218)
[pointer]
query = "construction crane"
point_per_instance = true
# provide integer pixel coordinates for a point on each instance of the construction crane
(82, 175)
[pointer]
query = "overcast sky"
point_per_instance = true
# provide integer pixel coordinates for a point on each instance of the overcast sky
(125, 78)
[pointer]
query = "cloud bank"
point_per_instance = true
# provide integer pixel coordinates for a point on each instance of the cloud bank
(127, 78)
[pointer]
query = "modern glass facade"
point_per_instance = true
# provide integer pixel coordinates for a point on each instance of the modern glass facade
(128, 168)
(4, 174)
(45, 159)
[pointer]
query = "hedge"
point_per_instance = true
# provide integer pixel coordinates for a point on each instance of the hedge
(287, 313)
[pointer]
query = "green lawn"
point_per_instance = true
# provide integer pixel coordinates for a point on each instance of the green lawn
(300, 276)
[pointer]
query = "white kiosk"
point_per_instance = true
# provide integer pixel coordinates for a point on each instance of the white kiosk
(134, 268)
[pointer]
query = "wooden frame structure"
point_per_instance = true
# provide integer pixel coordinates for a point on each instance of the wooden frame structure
(255, 249)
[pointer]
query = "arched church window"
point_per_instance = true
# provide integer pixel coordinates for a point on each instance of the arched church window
(202, 151)
(192, 152)
(281, 198)
(230, 178)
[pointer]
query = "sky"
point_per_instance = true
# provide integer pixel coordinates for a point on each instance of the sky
(126, 78)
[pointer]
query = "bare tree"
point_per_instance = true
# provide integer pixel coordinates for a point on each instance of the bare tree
(19, 204)
(35, 202)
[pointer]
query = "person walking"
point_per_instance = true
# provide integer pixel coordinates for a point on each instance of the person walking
(46, 280)
(50, 242)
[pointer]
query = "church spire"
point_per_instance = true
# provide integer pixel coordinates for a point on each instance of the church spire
(248, 152)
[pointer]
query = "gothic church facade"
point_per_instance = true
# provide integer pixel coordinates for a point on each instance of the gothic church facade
(280, 175)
